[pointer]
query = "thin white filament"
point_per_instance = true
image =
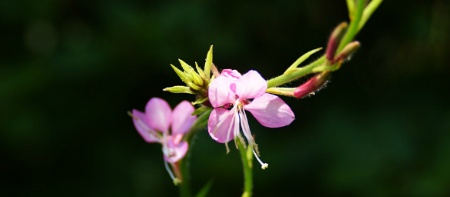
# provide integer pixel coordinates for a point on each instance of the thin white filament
(169, 171)
(263, 165)
(245, 127)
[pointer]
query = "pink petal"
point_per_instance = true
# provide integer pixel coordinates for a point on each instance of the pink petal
(174, 151)
(231, 73)
(219, 124)
(158, 114)
(251, 85)
(141, 125)
(182, 118)
(270, 111)
(219, 92)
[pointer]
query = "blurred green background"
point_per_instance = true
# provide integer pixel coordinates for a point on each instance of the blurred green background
(70, 70)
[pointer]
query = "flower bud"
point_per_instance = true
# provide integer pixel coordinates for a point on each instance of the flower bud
(347, 51)
(312, 85)
(334, 40)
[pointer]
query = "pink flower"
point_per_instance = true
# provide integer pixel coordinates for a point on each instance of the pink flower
(231, 94)
(154, 124)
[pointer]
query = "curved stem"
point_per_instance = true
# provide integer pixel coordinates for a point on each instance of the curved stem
(200, 123)
(184, 186)
(247, 160)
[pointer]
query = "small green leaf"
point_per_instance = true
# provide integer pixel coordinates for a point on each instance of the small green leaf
(180, 73)
(194, 86)
(190, 72)
(200, 71)
(199, 110)
(186, 67)
(179, 89)
(301, 59)
(205, 189)
(199, 101)
(209, 62)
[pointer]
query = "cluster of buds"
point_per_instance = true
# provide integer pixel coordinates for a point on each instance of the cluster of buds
(196, 80)
(333, 44)
(333, 62)
(320, 69)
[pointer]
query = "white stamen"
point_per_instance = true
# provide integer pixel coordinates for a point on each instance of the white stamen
(263, 165)
(247, 133)
(169, 153)
(233, 119)
(246, 128)
(175, 180)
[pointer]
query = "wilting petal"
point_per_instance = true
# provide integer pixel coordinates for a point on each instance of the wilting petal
(270, 111)
(221, 124)
(219, 92)
(140, 122)
(173, 151)
(251, 85)
(182, 118)
(158, 114)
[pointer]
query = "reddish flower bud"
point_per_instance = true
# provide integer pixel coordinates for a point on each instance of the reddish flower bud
(335, 39)
(347, 51)
(312, 85)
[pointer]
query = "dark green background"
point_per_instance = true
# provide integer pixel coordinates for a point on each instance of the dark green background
(70, 70)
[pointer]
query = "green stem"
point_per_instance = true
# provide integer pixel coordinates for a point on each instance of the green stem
(184, 186)
(200, 123)
(295, 74)
(247, 160)
(353, 28)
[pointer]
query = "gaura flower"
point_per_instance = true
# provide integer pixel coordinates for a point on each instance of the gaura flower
(159, 124)
(231, 94)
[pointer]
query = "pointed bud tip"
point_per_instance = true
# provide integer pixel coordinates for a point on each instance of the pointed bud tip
(347, 51)
(335, 39)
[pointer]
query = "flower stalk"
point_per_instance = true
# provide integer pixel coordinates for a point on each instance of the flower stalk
(199, 124)
(247, 167)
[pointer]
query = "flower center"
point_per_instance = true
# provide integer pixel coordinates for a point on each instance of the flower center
(228, 106)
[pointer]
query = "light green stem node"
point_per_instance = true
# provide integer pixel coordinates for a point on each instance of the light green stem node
(281, 91)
